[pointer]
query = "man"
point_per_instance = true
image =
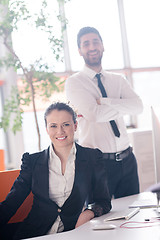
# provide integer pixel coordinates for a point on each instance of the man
(101, 110)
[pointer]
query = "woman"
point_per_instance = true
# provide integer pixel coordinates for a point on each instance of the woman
(62, 178)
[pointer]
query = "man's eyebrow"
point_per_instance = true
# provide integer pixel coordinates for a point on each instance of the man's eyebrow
(94, 39)
(86, 41)
(56, 123)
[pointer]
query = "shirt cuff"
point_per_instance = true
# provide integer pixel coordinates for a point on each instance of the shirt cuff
(96, 209)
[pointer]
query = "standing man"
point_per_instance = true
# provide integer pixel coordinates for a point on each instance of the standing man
(102, 99)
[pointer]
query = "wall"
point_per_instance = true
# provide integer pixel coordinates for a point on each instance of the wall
(141, 140)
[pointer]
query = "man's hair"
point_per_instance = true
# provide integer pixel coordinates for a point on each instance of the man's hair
(84, 31)
(60, 106)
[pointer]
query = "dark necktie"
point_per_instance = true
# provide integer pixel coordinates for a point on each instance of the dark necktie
(104, 94)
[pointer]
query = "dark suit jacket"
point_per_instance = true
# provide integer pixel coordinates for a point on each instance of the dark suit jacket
(89, 183)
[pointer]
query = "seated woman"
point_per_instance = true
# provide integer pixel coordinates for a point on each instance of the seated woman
(62, 178)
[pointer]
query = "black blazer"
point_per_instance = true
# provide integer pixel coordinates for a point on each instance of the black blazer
(89, 184)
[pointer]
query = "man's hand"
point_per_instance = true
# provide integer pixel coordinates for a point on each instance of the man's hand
(98, 101)
(84, 217)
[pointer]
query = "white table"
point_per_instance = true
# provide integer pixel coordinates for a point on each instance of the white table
(85, 231)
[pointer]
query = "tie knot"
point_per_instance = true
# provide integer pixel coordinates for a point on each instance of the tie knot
(98, 76)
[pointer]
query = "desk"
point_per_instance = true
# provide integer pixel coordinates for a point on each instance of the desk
(85, 231)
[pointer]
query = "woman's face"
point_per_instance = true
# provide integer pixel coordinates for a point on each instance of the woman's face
(61, 128)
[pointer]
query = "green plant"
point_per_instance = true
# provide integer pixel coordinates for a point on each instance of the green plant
(38, 77)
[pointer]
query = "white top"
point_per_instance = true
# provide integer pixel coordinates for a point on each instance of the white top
(60, 186)
(94, 127)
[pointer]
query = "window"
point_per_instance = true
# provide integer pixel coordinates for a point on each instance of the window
(141, 19)
(104, 17)
(147, 85)
(31, 44)
(142, 23)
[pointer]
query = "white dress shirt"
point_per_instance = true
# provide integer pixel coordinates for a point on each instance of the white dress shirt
(94, 128)
(60, 186)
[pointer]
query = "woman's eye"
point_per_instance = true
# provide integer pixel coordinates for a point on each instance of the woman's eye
(66, 124)
(53, 126)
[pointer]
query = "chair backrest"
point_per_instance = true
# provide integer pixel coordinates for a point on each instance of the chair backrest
(2, 164)
(7, 179)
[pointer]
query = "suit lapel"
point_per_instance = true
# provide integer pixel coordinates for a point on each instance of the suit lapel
(41, 173)
(81, 175)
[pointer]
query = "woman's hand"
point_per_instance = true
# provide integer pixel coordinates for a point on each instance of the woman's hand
(84, 217)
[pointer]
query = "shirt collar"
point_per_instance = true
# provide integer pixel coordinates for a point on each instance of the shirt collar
(54, 156)
(91, 73)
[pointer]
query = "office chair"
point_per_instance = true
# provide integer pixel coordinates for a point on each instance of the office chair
(7, 179)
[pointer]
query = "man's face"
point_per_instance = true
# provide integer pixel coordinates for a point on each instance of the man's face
(91, 49)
